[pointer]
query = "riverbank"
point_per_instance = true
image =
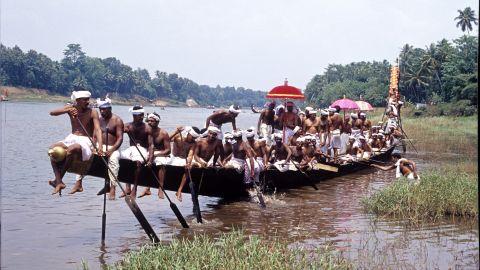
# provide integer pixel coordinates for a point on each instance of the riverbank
(233, 250)
(41, 95)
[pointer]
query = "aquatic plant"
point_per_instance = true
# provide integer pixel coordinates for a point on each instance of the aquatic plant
(232, 250)
(442, 193)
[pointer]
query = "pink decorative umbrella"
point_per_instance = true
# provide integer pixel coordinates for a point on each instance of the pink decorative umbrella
(364, 106)
(345, 104)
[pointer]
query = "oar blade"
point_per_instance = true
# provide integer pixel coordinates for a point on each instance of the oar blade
(260, 200)
(179, 215)
(196, 205)
(141, 219)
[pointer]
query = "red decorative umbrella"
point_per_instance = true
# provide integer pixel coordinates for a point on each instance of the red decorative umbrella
(285, 92)
(364, 106)
(345, 104)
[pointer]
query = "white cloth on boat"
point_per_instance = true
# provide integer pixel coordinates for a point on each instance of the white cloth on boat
(283, 167)
(336, 139)
(84, 143)
(236, 163)
(177, 161)
(113, 164)
(266, 132)
(161, 160)
(133, 154)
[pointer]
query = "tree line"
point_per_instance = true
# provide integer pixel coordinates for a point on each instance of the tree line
(441, 72)
(101, 76)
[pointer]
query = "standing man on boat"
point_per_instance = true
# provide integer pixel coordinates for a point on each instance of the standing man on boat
(207, 150)
(78, 142)
(159, 151)
(336, 127)
(324, 131)
(290, 120)
(141, 134)
(311, 123)
(220, 117)
(114, 125)
(266, 121)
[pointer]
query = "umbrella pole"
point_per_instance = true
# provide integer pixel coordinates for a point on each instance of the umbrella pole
(283, 119)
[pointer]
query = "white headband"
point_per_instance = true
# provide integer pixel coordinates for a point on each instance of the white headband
(107, 103)
(308, 109)
(331, 109)
(137, 111)
(251, 133)
(353, 115)
(214, 129)
(324, 112)
(155, 117)
(277, 135)
(80, 94)
(296, 129)
(232, 109)
(191, 131)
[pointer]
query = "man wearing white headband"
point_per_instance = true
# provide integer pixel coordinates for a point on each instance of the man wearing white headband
(141, 146)
(78, 143)
(242, 158)
(324, 132)
(207, 151)
(336, 127)
(161, 151)
(112, 135)
(310, 124)
(259, 152)
(297, 132)
(266, 120)
(364, 124)
(281, 153)
(220, 117)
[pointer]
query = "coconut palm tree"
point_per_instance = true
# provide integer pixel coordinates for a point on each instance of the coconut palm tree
(465, 19)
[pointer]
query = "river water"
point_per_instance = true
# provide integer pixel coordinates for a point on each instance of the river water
(44, 231)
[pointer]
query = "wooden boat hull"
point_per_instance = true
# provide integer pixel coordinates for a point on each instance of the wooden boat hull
(227, 183)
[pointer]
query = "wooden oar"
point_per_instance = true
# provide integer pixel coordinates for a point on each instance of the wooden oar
(172, 205)
(193, 193)
(305, 174)
(107, 183)
(259, 194)
(131, 203)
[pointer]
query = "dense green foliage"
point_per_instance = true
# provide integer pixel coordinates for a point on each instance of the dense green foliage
(231, 251)
(438, 194)
(101, 76)
(442, 72)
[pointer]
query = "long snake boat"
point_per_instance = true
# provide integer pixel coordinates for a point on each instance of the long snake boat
(227, 183)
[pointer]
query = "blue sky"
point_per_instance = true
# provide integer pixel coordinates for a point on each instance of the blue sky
(254, 44)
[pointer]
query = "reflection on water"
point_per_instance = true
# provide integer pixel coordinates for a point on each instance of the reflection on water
(53, 232)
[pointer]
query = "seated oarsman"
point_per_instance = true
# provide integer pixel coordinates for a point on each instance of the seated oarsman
(263, 142)
(351, 150)
(324, 131)
(336, 126)
(290, 120)
(297, 132)
(281, 154)
(364, 151)
(404, 167)
(227, 146)
(277, 122)
(207, 150)
(381, 140)
(259, 151)
(220, 117)
(242, 158)
(114, 125)
(393, 136)
(141, 134)
(266, 121)
(302, 116)
(297, 150)
(375, 143)
(364, 124)
(78, 142)
(160, 149)
(183, 139)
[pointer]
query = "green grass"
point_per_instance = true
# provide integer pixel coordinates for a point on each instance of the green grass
(232, 250)
(439, 194)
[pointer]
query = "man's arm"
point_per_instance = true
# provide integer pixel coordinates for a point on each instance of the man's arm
(289, 153)
(66, 109)
(166, 143)
(252, 162)
(150, 146)
(383, 168)
(260, 121)
(119, 134)
(234, 124)
(190, 155)
(217, 153)
(97, 131)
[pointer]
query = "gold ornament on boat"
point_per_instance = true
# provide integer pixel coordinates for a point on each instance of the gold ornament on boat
(57, 153)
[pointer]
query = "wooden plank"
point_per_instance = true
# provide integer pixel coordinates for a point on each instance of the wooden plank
(325, 167)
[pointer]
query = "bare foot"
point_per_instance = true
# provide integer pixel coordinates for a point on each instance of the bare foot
(179, 196)
(133, 193)
(52, 183)
(123, 194)
(76, 188)
(161, 195)
(58, 188)
(111, 194)
(146, 192)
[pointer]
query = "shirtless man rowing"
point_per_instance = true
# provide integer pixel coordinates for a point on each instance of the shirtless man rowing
(160, 151)
(336, 127)
(78, 142)
(205, 149)
(240, 155)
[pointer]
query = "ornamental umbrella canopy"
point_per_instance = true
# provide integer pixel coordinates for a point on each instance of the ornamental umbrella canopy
(285, 92)
(364, 106)
(345, 104)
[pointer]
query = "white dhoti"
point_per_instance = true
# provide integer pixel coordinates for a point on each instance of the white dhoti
(236, 163)
(84, 143)
(133, 154)
(197, 164)
(266, 132)
(177, 161)
(288, 133)
(344, 142)
(283, 167)
(113, 165)
(336, 139)
(366, 155)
